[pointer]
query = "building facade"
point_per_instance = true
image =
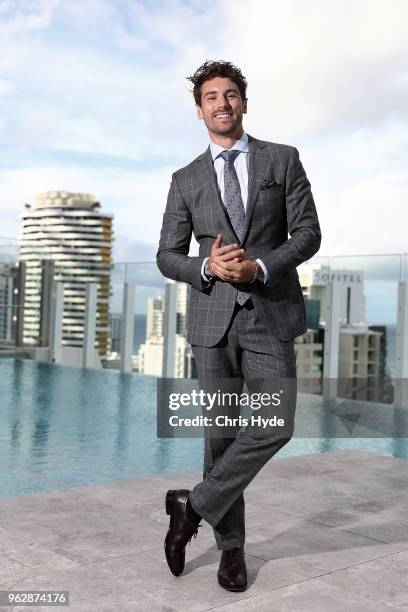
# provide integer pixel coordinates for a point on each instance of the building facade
(71, 230)
(8, 275)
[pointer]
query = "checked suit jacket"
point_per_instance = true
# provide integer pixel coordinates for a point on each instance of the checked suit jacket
(280, 202)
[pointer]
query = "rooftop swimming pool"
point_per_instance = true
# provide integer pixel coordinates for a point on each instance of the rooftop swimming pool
(63, 426)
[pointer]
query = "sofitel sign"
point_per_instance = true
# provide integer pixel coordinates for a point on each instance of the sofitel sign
(345, 277)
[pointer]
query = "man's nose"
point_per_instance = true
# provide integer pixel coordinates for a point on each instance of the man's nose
(225, 106)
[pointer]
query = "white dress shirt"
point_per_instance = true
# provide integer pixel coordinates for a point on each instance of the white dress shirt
(241, 166)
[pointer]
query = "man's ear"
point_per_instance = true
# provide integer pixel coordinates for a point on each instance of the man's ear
(245, 105)
(199, 111)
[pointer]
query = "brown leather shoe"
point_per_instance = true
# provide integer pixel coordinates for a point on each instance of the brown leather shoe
(232, 574)
(180, 530)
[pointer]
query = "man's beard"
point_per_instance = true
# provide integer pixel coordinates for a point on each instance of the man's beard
(230, 131)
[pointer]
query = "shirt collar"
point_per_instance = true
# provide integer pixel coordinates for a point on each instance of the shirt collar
(241, 145)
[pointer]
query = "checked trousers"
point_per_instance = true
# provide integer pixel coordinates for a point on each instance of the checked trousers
(230, 463)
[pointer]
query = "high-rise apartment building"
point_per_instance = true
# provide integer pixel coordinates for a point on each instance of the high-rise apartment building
(172, 338)
(359, 362)
(72, 231)
(361, 349)
(314, 279)
(309, 361)
(150, 356)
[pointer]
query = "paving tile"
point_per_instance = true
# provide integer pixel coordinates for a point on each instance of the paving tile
(382, 580)
(21, 556)
(308, 596)
(197, 588)
(143, 603)
(84, 532)
(131, 494)
(310, 549)
(111, 540)
(86, 586)
(59, 513)
(383, 520)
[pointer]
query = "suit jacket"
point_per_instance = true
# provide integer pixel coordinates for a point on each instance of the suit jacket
(279, 202)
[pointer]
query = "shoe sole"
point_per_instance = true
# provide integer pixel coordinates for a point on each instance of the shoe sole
(234, 589)
(169, 511)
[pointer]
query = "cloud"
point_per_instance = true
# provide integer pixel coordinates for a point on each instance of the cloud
(364, 218)
(22, 16)
(93, 98)
(315, 67)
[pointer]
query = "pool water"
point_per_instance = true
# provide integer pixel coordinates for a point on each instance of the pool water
(64, 426)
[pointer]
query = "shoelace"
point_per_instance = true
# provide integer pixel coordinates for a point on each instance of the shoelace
(194, 534)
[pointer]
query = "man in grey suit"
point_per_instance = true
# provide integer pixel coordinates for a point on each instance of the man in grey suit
(241, 198)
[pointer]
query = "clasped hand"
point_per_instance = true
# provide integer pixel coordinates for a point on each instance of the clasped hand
(230, 262)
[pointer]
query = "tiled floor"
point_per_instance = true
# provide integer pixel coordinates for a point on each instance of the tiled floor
(325, 532)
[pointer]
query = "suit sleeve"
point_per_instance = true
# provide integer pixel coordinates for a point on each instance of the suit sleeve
(172, 256)
(303, 224)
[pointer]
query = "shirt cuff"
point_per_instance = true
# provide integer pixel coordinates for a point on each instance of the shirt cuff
(204, 277)
(265, 271)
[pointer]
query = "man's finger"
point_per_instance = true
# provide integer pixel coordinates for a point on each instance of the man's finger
(227, 248)
(220, 272)
(217, 243)
(228, 265)
(238, 254)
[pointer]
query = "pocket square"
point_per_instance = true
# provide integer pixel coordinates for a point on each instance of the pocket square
(269, 183)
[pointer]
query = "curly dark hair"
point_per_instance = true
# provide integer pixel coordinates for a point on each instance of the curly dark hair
(211, 69)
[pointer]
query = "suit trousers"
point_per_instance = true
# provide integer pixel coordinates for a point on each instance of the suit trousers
(230, 463)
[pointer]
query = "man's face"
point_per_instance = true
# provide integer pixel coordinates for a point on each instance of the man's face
(221, 106)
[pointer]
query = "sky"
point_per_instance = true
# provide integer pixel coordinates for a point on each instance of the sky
(94, 98)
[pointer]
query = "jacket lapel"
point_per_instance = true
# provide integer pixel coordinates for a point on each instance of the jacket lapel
(257, 163)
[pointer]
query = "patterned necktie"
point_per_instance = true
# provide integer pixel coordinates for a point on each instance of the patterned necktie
(233, 203)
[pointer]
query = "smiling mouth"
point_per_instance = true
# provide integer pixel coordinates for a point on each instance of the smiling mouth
(224, 116)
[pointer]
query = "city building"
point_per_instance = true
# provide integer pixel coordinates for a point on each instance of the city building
(359, 363)
(115, 333)
(309, 361)
(314, 279)
(151, 351)
(166, 351)
(362, 348)
(8, 277)
(72, 231)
